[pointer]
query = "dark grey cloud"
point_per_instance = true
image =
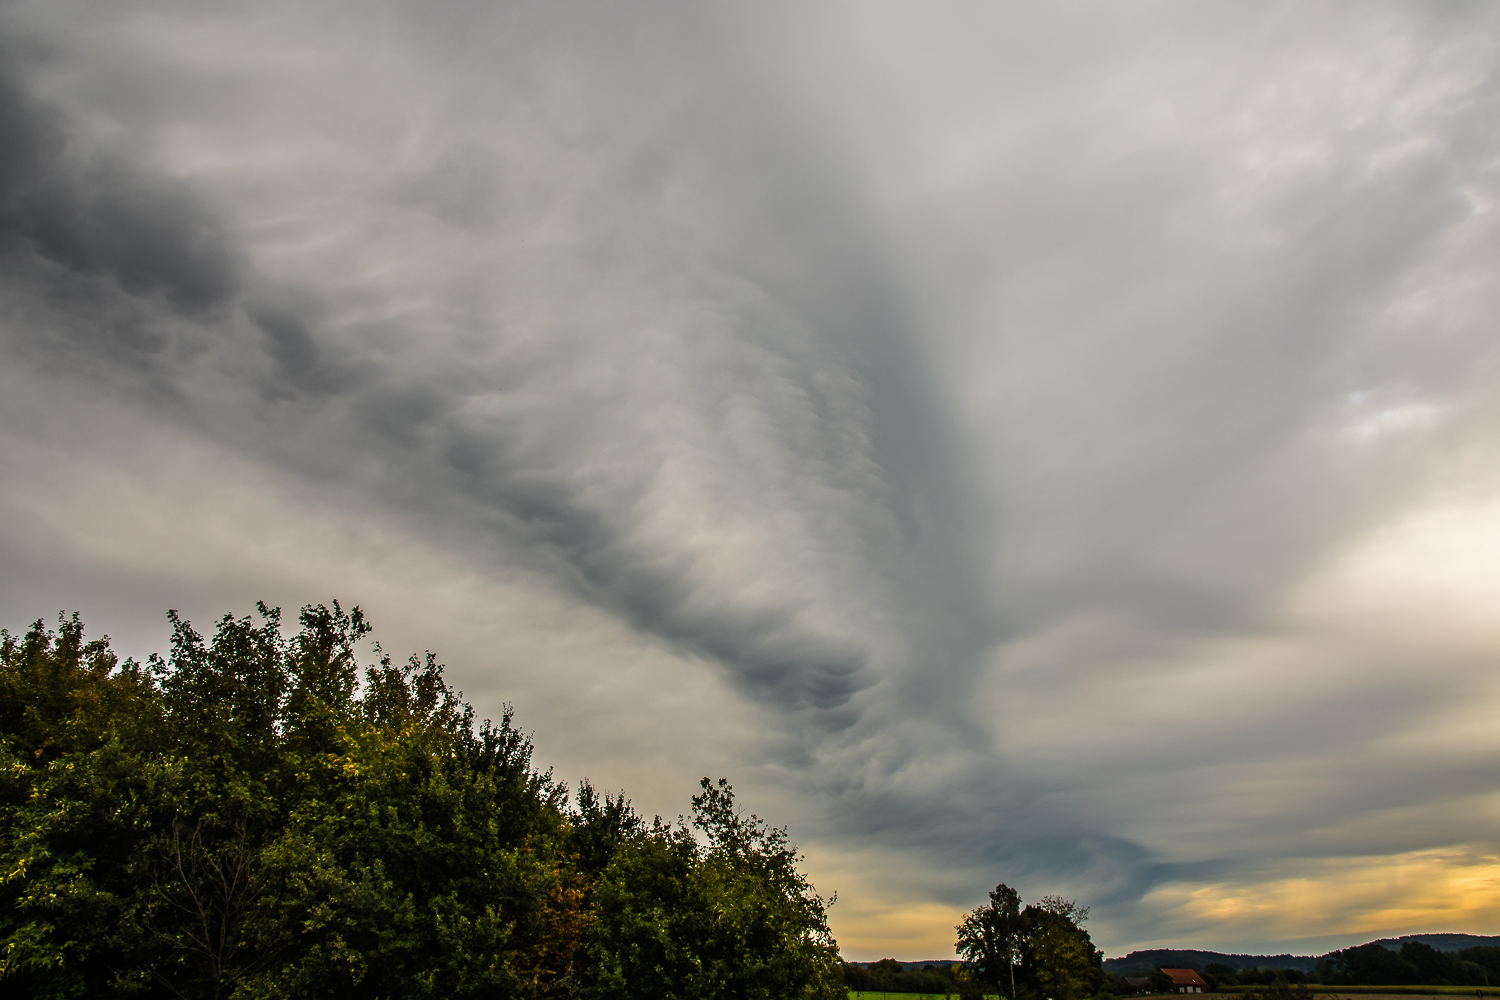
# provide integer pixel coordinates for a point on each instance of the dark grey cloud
(97, 217)
(1010, 409)
(826, 342)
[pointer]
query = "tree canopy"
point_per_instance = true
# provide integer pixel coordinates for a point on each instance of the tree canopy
(1415, 964)
(256, 815)
(1039, 951)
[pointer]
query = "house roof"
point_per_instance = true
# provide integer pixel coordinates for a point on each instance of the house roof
(1184, 977)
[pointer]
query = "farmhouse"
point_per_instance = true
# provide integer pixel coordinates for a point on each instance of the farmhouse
(1185, 980)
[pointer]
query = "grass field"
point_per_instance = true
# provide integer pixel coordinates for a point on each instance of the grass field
(1383, 991)
(1377, 992)
(1349, 992)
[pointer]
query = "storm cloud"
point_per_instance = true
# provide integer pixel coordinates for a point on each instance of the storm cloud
(1051, 445)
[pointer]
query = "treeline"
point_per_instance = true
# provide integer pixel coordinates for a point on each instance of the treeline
(889, 976)
(1218, 974)
(1416, 964)
(1141, 963)
(256, 816)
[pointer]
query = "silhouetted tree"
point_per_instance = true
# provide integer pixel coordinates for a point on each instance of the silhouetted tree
(990, 938)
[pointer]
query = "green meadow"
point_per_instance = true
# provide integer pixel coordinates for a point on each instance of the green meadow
(1321, 991)
(1389, 991)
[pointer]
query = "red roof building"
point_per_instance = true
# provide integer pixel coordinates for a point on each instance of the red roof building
(1186, 980)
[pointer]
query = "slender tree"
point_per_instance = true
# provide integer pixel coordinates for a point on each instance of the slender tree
(990, 936)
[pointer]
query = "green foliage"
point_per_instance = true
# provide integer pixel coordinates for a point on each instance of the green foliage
(254, 816)
(1041, 951)
(991, 938)
(1367, 964)
(890, 976)
(732, 918)
(1279, 989)
(1060, 960)
(1266, 977)
(1415, 964)
(1218, 974)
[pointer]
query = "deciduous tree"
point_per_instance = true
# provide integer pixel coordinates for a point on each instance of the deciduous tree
(254, 816)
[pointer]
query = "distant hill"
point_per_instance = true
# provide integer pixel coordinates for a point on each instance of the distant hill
(1142, 962)
(1442, 942)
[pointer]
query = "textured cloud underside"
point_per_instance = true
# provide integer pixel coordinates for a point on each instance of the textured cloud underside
(1044, 445)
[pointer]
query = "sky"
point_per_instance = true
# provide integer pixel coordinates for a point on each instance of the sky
(1050, 443)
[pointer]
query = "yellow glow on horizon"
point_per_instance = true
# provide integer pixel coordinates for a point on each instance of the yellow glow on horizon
(910, 933)
(1447, 889)
(1455, 888)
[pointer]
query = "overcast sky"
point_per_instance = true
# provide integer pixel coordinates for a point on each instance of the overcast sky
(1049, 443)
